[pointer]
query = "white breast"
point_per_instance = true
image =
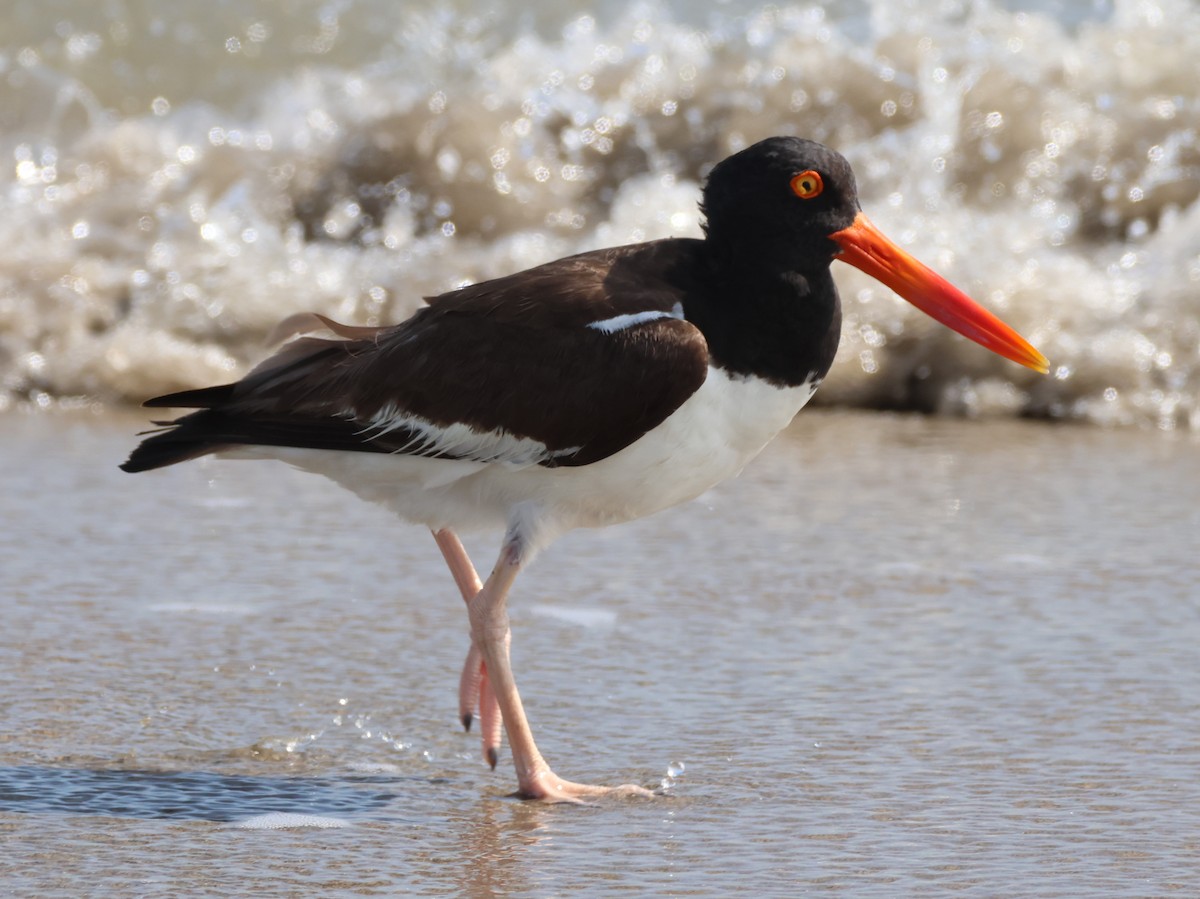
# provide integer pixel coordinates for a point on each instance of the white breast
(711, 437)
(720, 428)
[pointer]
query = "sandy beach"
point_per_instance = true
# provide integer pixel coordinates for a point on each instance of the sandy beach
(898, 656)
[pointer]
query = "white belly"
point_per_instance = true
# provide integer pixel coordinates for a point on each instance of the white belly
(720, 428)
(711, 437)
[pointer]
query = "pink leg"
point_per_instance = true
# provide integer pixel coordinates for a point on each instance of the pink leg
(470, 682)
(491, 723)
(488, 611)
(474, 690)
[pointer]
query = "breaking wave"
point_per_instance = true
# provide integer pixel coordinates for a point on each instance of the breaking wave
(175, 178)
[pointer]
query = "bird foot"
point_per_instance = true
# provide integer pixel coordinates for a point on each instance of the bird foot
(475, 692)
(546, 786)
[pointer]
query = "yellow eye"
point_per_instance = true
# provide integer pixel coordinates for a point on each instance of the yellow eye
(807, 185)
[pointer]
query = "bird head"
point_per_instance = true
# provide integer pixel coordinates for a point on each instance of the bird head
(792, 204)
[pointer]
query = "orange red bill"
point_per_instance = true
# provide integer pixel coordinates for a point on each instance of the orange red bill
(866, 248)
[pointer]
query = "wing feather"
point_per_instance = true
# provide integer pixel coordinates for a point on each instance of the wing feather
(504, 371)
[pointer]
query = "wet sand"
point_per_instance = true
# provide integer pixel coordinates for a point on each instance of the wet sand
(898, 656)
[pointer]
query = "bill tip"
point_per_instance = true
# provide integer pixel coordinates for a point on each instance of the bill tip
(1038, 363)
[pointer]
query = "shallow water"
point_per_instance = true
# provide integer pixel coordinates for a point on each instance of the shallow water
(898, 656)
(175, 178)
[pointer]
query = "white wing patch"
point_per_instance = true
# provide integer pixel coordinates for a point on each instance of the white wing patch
(629, 319)
(458, 440)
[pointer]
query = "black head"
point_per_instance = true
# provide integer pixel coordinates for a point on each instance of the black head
(774, 204)
(787, 207)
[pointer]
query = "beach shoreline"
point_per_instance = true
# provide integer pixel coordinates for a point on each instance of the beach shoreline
(897, 651)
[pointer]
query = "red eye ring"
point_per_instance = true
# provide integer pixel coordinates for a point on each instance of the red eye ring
(807, 184)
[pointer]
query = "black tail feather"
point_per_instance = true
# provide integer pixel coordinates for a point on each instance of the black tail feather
(247, 413)
(213, 430)
(183, 438)
(175, 441)
(202, 398)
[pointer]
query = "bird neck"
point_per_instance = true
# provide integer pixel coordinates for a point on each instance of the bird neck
(782, 326)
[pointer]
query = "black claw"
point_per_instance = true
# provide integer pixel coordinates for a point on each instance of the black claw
(492, 757)
(466, 720)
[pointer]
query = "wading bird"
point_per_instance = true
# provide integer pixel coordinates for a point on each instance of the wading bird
(584, 392)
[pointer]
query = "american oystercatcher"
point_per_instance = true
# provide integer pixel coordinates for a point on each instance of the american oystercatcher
(588, 391)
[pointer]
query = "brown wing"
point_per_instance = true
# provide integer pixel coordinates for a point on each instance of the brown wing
(509, 370)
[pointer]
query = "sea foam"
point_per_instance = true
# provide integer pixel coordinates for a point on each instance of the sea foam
(178, 180)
